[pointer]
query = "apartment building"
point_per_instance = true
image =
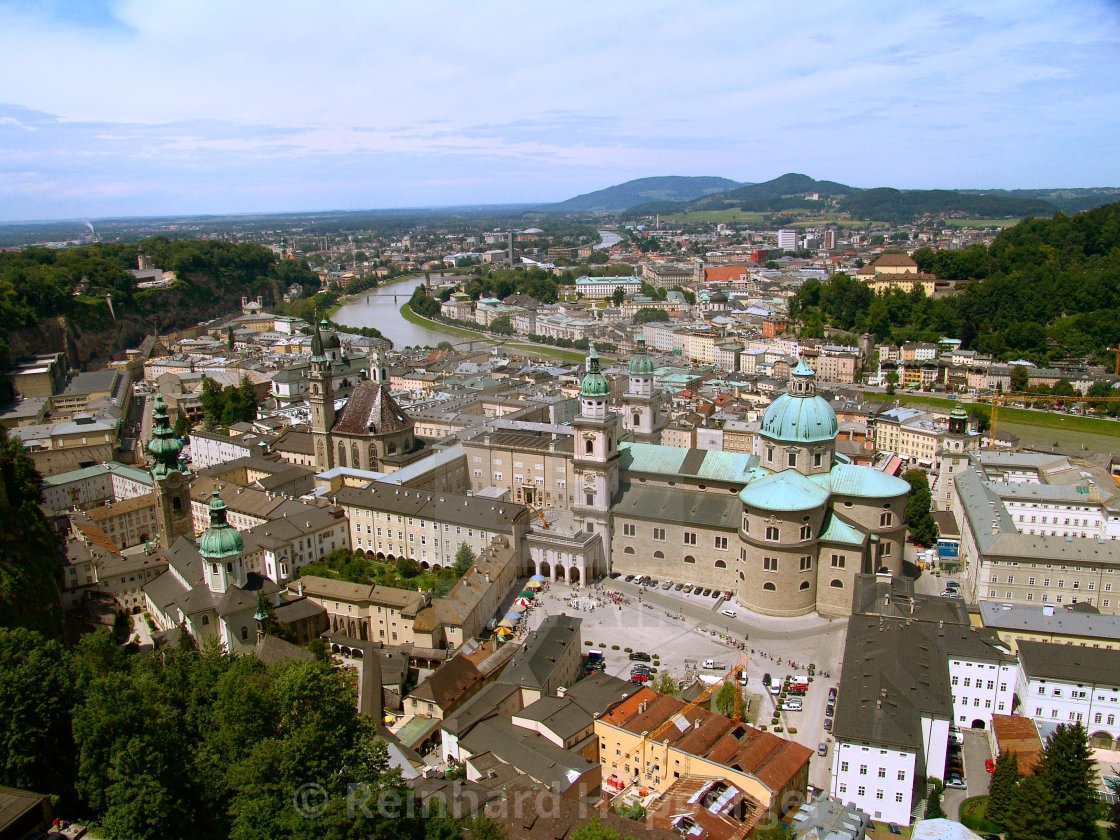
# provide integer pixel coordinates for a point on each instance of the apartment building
(1071, 684)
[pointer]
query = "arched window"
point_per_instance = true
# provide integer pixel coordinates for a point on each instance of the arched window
(657, 555)
(769, 587)
(244, 633)
(804, 585)
(229, 568)
(355, 461)
(390, 447)
(176, 503)
(837, 583)
(589, 446)
(341, 454)
(628, 550)
(205, 620)
(721, 564)
(688, 558)
(637, 419)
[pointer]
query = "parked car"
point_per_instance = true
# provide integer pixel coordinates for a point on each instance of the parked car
(797, 692)
(628, 578)
(652, 582)
(766, 680)
(728, 613)
(712, 665)
(828, 724)
(640, 656)
(667, 585)
(678, 587)
(793, 705)
(952, 584)
(775, 688)
(955, 781)
(829, 710)
(989, 765)
(832, 693)
(716, 593)
(705, 592)
(639, 678)
(728, 594)
(822, 748)
(687, 588)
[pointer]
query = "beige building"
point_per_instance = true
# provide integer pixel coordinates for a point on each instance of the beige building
(128, 522)
(896, 271)
(363, 612)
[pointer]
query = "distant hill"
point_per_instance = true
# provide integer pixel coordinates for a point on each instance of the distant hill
(670, 188)
(891, 205)
(781, 193)
(1069, 200)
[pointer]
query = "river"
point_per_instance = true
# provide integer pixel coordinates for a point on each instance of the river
(610, 239)
(381, 308)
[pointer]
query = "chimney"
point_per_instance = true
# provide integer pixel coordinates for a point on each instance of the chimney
(300, 588)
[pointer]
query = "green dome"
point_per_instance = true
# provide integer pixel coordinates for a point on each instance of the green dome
(221, 539)
(799, 415)
(640, 363)
(594, 383)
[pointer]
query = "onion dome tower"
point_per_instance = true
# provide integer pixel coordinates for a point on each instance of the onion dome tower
(595, 458)
(799, 428)
(642, 413)
(170, 478)
(221, 548)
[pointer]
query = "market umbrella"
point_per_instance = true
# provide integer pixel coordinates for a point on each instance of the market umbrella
(522, 602)
(503, 633)
(534, 584)
(538, 578)
(513, 616)
(527, 594)
(505, 622)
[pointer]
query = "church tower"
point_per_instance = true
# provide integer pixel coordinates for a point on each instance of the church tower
(642, 412)
(953, 458)
(170, 479)
(321, 398)
(221, 548)
(595, 457)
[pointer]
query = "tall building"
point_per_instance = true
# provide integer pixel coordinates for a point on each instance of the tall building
(787, 239)
(643, 413)
(953, 458)
(170, 479)
(595, 459)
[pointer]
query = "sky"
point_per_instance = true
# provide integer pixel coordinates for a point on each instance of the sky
(140, 108)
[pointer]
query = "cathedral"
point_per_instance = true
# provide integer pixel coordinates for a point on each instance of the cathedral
(372, 432)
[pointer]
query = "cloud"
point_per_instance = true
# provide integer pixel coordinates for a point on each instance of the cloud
(522, 102)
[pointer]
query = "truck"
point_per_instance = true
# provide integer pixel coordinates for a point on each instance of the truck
(712, 665)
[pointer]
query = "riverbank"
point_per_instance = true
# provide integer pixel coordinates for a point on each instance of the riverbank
(523, 347)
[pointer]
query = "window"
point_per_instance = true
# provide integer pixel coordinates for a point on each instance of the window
(770, 453)
(688, 558)
(839, 561)
(769, 587)
(955, 680)
(843, 767)
(629, 530)
(590, 498)
(690, 538)
(902, 775)
(882, 772)
(721, 543)
(843, 788)
(806, 532)
(770, 564)
(659, 534)
(791, 459)
(836, 583)
(806, 563)
(878, 794)
(863, 769)
(885, 519)
(771, 532)
(898, 797)
(861, 790)
(817, 459)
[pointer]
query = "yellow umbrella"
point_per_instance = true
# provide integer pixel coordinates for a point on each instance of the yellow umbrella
(503, 631)
(534, 584)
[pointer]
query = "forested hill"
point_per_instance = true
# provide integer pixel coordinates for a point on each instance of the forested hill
(40, 287)
(671, 188)
(1046, 289)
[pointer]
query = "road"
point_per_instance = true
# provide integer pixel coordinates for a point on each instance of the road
(976, 777)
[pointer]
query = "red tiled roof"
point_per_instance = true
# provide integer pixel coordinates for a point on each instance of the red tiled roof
(723, 273)
(895, 261)
(772, 760)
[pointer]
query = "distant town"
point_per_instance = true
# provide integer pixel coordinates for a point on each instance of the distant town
(778, 524)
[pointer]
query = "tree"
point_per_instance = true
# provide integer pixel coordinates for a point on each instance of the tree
(618, 296)
(892, 381)
(1114, 809)
(923, 530)
(1001, 788)
(484, 828)
(934, 811)
(1020, 379)
(502, 325)
(1068, 774)
(407, 567)
(464, 559)
(725, 700)
(122, 628)
(593, 829)
(1030, 817)
(647, 315)
(665, 684)
(182, 426)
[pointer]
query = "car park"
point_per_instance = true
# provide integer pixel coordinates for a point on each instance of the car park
(728, 613)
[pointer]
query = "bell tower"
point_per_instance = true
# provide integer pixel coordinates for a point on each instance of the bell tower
(953, 458)
(642, 412)
(170, 480)
(321, 399)
(221, 547)
(595, 456)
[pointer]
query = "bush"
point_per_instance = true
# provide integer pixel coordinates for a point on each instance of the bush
(778, 729)
(628, 650)
(614, 647)
(974, 816)
(793, 730)
(589, 644)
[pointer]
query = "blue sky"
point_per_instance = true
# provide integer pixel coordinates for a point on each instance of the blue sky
(199, 106)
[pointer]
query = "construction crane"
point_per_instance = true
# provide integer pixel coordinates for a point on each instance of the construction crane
(540, 515)
(996, 400)
(704, 696)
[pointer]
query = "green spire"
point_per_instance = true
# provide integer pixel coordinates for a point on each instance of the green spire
(594, 383)
(165, 446)
(221, 539)
(640, 363)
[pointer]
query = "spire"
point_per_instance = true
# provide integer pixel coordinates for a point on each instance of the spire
(640, 363)
(802, 380)
(165, 446)
(221, 539)
(594, 383)
(317, 353)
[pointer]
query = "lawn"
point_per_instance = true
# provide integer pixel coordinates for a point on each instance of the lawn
(980, 223)
(732, 214)
(974, 815)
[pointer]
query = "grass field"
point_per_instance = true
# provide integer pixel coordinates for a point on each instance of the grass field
(733, 214)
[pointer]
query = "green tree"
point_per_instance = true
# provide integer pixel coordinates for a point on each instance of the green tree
(1030, 817)
(407, 567)
(934, 811)
(36, 694)
(1114, 809)
(618, 296)
(484, 828)
(502, 325)
(1068, 775)
(1001, 788)
(593, 829)
(122, 628)
(182, 426)
(647, 314)
(725, 699)
(1019, 378)
(464, 559)
(665, 684)
(892, 382)
(923, 530)
(30, 567)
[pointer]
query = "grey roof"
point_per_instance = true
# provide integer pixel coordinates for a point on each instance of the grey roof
(532, 754)
(560, 715)
(271, 650)
(894, 674)
(670, 504)
(599, 690)
(533, 665)
(480, 707)
(1062, 622)
(1072, 663)
(471, 511)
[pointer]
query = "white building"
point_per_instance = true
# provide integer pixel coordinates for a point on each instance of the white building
(787, 239)
(1071, 684)
(603, 287)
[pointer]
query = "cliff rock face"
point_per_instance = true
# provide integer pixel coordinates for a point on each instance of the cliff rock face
(97, 335)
